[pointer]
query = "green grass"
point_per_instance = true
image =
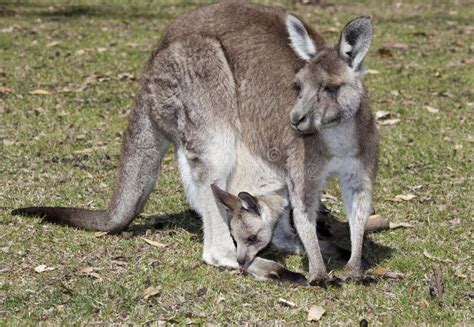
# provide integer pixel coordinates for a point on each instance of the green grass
(58, 47)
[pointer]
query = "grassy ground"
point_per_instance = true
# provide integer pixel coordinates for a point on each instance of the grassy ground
(61, 148)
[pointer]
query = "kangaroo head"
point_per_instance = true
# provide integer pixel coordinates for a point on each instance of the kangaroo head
(330, 85)
(252, 220)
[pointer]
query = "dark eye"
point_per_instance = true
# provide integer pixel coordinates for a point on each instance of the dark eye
(252, 239)
(332, 89)
(297, 87)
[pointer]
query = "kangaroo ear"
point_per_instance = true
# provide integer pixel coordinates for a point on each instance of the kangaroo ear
(300, 40)
(355, 41)
(249, 202)
(230, 201)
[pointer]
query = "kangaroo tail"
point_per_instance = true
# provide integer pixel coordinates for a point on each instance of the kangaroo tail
(76, 217)
(142, 152)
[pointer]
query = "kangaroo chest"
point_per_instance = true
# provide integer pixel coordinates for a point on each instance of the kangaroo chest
(342, 147)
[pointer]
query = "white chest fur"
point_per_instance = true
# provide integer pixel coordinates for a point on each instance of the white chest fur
(343, 147)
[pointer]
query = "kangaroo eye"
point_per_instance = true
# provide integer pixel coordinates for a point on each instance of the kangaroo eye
(297, 87)
(252, 239)
(332, 89)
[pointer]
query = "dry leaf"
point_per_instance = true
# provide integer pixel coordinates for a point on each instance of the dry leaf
(5, 90)
(287, 303)
(40, 92)
(385, 273)
(52, 44)
(42, 268)
(89, 271)
(463, 276)
(315, 313)
(38, 110)
(126, 76)
(432, 109)
(151, 291)
(382, 115)
(372, 72)
(455, 221)
(389, 122)
(398, 225)
(88, 150)
(154, 243)
(380, 271)
(83, 151)
(333, 30)
(8, 29)
(100, 234)
(405, 197)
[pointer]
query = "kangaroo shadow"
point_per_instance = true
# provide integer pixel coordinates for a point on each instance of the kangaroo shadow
(187, 220)
(373, 253)
(61, 11)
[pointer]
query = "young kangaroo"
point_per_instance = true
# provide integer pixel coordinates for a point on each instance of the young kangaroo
(221, 76)
(260, 215)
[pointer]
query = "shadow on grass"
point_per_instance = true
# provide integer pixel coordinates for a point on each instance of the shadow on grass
(58, 11)
(187, 220)
(191, 222)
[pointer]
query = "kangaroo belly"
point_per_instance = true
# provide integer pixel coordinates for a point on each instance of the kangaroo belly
(252, 174)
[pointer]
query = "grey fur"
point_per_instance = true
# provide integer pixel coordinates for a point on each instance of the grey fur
(221, 76)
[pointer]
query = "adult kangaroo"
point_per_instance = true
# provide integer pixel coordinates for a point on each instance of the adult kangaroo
(223, 74)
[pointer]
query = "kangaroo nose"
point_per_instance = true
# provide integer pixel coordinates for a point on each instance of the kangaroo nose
(295, 120)
(241, 261)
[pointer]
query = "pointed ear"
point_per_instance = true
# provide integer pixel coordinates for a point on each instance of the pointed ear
(230, 201)
(249, 202)
(300, 41)
(355, 41)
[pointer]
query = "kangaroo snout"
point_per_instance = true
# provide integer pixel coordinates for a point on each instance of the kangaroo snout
(301, 122)
(244, 262)
(297, 119)
(241, 260)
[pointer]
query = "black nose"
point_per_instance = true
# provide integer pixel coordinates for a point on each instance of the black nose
(299, 121)
(241, 261)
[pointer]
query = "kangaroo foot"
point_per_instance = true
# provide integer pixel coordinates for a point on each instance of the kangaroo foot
(326, 282)
(356, 276)
(365, 280)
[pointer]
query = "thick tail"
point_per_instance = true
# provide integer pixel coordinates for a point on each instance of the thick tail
(142, 152)
(76, 217)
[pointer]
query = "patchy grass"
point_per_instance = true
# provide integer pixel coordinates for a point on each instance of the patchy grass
(62, 149)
